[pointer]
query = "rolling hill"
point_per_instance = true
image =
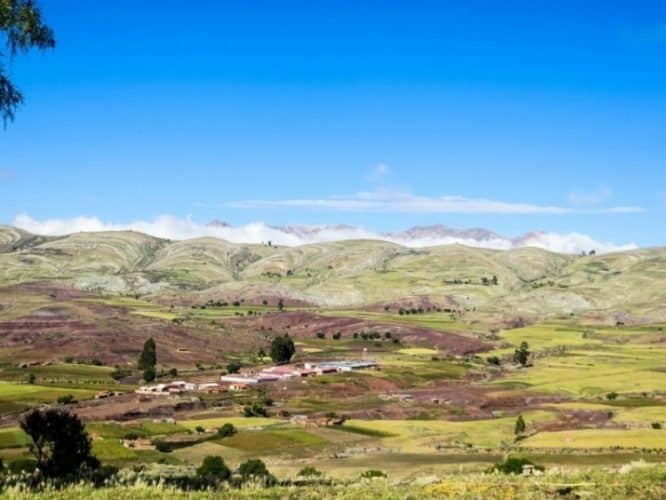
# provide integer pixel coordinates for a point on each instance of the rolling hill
(622, 286)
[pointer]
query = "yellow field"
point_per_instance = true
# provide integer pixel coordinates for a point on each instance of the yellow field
(598, 438)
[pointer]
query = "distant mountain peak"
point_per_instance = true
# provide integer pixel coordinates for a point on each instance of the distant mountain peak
(218, 223)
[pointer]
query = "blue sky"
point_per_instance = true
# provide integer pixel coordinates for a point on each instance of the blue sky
(515, 116)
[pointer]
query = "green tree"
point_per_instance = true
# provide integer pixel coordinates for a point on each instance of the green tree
(148, 357)
(522, 354)
(520, 426)
(22, 29)
(60, 443)
(282, 349)
(149, 374)
(234, 367)
(253, 469)
(226, 430)
(214, 468)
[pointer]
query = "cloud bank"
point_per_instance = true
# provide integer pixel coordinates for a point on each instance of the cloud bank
(175, 228)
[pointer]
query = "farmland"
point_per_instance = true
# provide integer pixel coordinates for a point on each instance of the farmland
(447, 393)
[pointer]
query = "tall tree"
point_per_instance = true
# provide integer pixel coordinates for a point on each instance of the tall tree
(282, 349)
(148, 357)
(59, 442)
(21, 29)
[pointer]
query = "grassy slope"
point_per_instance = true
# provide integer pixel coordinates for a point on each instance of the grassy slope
(349, 273)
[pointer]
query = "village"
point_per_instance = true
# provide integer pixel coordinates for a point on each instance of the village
(242, 381)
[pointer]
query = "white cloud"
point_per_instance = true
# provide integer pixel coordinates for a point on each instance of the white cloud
(404, 202)
(175, 228)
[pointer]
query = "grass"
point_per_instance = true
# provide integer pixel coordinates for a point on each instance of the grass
(598, 438)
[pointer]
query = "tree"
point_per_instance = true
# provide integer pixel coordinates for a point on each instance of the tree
(148, 357)
(22, 29)
(282, 349)
(520, 426)
(226, 430)
(60, 443)
(522, 354)
(234, 367)
(280, 305)
(214, 468)
(253, 469)
(149, 374)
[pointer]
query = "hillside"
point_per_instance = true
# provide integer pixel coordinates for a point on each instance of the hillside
(623, 286)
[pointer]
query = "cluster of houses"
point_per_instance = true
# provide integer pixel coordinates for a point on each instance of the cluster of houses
(239, 382)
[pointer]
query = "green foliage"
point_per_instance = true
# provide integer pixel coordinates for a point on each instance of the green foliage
(282, 349)
(59, 442)
(372, 474)
(520, 426)
(255, 410)
(149, 374)
(22, 28)
(493, 360)
(22, 465)
(309, 471)
(514, 465)
(226, 430)
(234, 367)
(199, 429)
(253, 469)
(656, 425)
(148, 357)
(611, 396)
(522, 354)
(120, 373)
(66, 399)
(162, 446)
(30, 379)
(213, 467)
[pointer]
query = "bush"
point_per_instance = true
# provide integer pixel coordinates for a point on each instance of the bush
(66, 399)
(255, 410)
(226, 430)
(611, 396)
(131, 436)
(234, 367)
(309, 471)
(255, 469)
(321, 335)
(199, 429)
(162, 446)
(21, 465)
(493, 360)
(513, 465)
(120, 373)
(214, 468)
(372, 473)
(656, 425)
(173, 372)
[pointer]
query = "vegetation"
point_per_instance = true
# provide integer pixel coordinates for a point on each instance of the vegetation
(22, 27)
(282, 349)
(148, 357)
(60, 444)
(515, 465)
(213, 468)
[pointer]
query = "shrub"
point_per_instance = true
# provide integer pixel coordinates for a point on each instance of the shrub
(66, 399)
(162, 446)
(255, 469)
(520, 426)
(173, 372)
(199, 429)
(226, 430)
(372, 473)
(131, 436)
(120, 373)
(213, 467)
(493, 360)
(255, 410)
(513, 465)
(234, 367)
(656, 425)
(337, 335)
(309, 471)
(611, 396)
(321, 335)
(21, 465)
